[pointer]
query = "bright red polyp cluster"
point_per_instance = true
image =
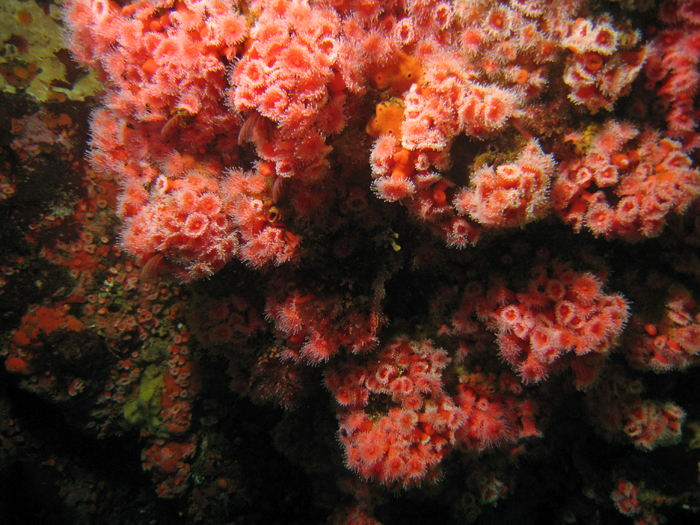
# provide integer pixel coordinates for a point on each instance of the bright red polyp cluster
(198, 83)
(397, 421)
(248, 199)
(672, 66)
(184, 221)
(314, 329)
(651, 424)
(672, 344)
(631, 503)
(288, 86)
(485, 110)
(155, 48)
(404, 443)
(559, 317)
(508, 43)
(168, 461)
(512, 194)
(604, 64)
(165, 69)
(625, 498)
(626, 185)
(495, 418)
(622, 414)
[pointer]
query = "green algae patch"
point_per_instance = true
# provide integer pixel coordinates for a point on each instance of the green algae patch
(142, 411)
(33, 42)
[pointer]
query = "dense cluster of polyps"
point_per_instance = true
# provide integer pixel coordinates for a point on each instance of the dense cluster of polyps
(298, 73)
(326, 147)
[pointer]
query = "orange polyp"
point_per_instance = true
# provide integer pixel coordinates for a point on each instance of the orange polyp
(228, 52)
(604, 38)
(401, 171)
(621, 161)
(586, 196)
(266, 169)
(529, 427)
(296, 338)
(439, 196)
(403, 156)
(683, 118)
(650, 329)
(666, 146)
(663, 175)
(673, 345)
(593, 61)
(149, 66)
(634, 58)
(280, 8)
(337, 83)
(579, 206)
(428, 429)
(253, 53)
(496, 20)
(165, 20)
(660, 341)
(546, 48)
(521, 77)
(17, 365)
(585, 92)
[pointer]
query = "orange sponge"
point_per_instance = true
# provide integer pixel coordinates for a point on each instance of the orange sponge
(387, 120)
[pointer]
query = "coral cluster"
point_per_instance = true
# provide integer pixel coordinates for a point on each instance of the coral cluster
(512, 194)
(672, 344)
(626, 184)
(605, 62)
(405, 440)
(455, 241)
(559, 317)
(673, 61)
